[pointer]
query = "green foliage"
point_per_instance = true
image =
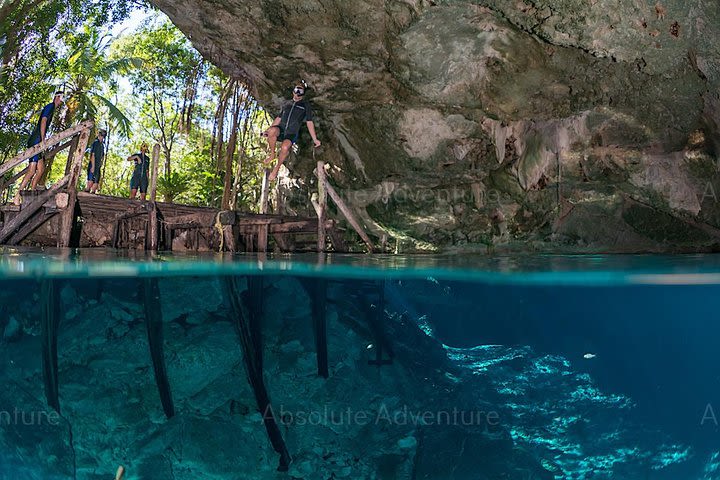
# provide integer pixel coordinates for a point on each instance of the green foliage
(148, 86)
(172, 185)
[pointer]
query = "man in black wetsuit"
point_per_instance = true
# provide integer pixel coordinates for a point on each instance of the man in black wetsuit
(37, 163)
(97, 154)
(286, 127)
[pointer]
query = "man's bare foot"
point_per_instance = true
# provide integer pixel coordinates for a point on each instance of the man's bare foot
(17, 200)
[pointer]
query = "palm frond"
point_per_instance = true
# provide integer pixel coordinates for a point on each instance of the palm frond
(115, 114)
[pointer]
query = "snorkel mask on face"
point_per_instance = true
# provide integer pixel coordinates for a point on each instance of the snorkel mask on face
(299, 91)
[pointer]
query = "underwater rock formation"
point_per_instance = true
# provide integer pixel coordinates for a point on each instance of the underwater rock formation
(526, 414)
(530, 124)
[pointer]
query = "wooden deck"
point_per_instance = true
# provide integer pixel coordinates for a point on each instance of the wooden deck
(104, 221)
(64, 217)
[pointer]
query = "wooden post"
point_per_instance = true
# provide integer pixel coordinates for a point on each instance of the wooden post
(71, 154)
(150, 293)
(248, 328)
(49, 326)
(154, 172)
(152, 226)
(265, 193)
(67, 218)
(321, 206)
(262, 241)
(348, 215)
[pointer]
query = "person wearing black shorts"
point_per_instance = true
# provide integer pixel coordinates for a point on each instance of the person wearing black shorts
(37, 137)
(286, 127)
(141, 173)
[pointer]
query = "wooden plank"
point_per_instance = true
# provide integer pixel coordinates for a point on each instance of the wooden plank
(30, 226)
(203, 219)
(154, 172)
(29, 210)
(321, 206)
(50, 142)
(68, 215)
(348, 215)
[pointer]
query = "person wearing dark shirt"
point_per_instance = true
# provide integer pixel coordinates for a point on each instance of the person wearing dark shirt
(141, 174)
(37, 137)
(286, 127)
(97, 154)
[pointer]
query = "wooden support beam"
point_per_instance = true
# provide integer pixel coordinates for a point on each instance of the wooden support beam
(248, 328)
(348, 215)
(67, 218)
(29, 210)
(50, 142)
(71, 154)
(30, 226)
(150, 294)
(321, 206)
(265, 193)
(50, 297)
(154, 172)
(262, 238)
(152, 244)
(317, 291)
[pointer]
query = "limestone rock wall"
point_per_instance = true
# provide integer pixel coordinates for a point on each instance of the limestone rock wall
(525, 124)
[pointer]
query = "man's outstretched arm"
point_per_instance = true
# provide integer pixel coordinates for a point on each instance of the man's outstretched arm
(311, 129)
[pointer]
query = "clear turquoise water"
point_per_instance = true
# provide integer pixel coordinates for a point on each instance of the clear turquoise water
(596, 367)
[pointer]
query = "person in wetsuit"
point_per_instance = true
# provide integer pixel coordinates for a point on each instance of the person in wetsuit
(286, 127)
(37, 137)
(97, 154)
(141, 173)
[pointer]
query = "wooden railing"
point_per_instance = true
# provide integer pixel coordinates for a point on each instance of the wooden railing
(325, 189)
(80, 134)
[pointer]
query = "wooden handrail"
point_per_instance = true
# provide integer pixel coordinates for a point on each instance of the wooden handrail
(50, 142)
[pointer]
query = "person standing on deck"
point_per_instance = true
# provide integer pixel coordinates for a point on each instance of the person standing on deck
(286, 127)
(141, 174)
(97, 154)
(37, 163)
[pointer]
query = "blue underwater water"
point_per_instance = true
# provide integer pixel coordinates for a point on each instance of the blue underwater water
(438, 367)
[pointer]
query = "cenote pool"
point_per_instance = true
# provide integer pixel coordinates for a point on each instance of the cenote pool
(359, 367)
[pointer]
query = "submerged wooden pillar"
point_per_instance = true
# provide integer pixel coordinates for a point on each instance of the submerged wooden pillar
(150, 294)
(317, 291)
(248, 328)
(50, 301)
(67, 217)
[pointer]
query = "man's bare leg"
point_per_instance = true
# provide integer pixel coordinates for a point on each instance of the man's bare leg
(143, 195)
(272, 141)
(26, 179)
(284, 152)
(133, 192)
(38, 173)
